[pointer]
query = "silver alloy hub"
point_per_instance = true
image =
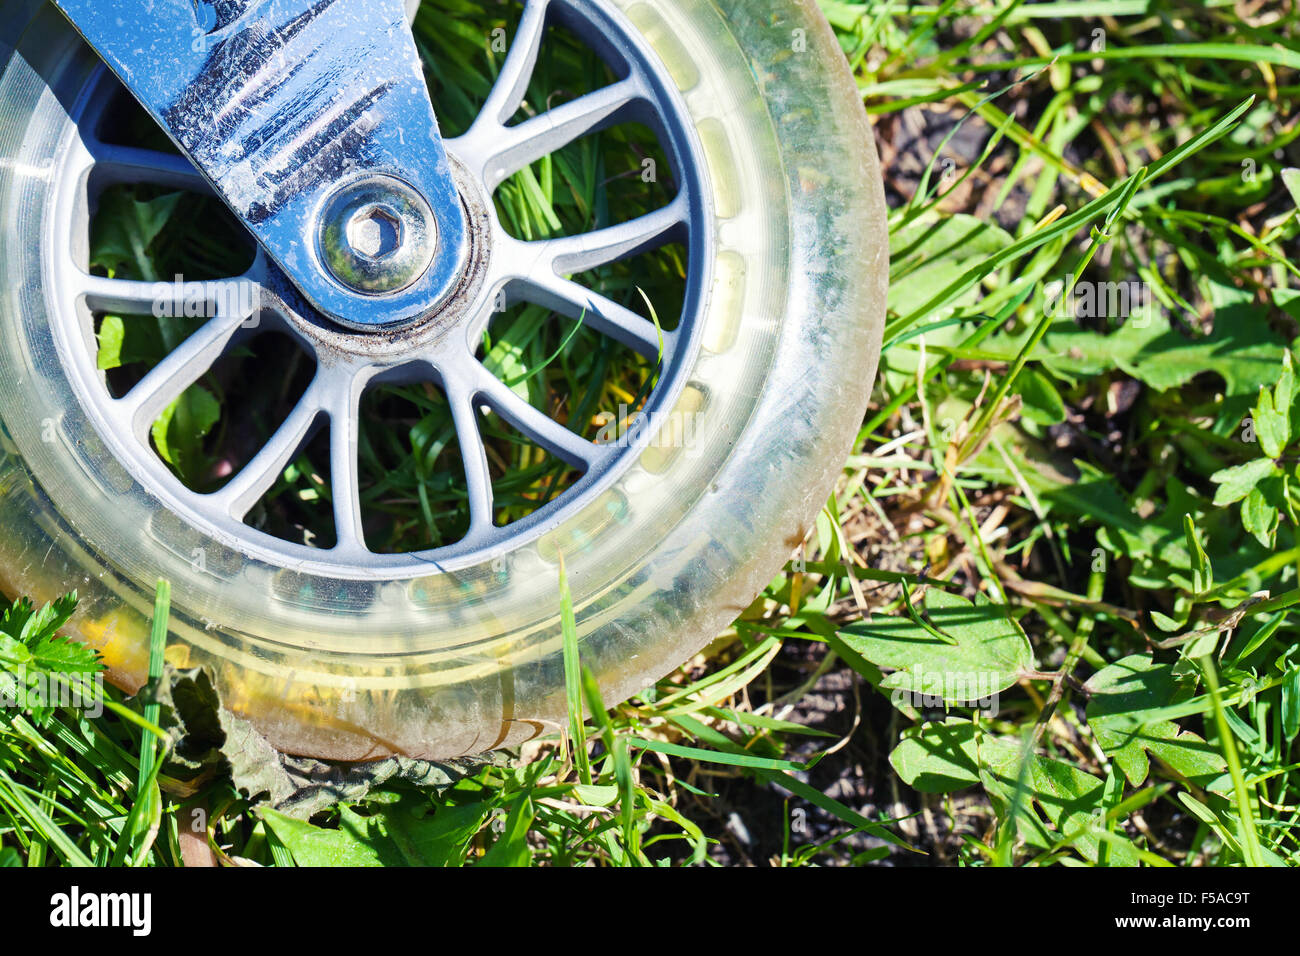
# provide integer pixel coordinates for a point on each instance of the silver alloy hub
(365, 229)
(377, 235)
(342, 343)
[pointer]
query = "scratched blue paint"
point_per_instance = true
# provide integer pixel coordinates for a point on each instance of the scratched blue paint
(277, 102)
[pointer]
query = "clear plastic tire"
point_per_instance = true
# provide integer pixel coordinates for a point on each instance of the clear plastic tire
(448, 657)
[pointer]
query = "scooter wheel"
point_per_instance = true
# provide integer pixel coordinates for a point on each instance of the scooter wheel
(672, 524)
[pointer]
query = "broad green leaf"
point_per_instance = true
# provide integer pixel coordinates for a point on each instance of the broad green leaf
(596, 795)
(1260, 517)
(435, 839)
(1042, 402)
(1288, 300)
(1241, 350)
(989, 652)
(112, 341)
(357, 841)
(25, 622)
(1166, 623)
(124, 230)
(179, 431)
(1203, 645)
(511, 847)
(13, 653)
(937, 757)
(66, 656)
(142, 339)
(1236, 482)
(929, 254)
(1272, 425)
(1071, 799)
(1122, 696)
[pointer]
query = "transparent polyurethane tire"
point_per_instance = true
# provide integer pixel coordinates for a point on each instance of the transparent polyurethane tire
(439, 661)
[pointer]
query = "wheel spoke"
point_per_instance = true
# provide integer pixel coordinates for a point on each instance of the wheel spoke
(128, 164)
(136, 297)
(589, 250)
(503, 151)
(167, 380)
(512, 82)
(257, 477)
(596, 311)
(125, 295)
(342, 393)
(460, 390)
(536, 424)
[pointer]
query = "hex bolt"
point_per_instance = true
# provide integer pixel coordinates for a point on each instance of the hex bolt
(375, 232)
(377, 235)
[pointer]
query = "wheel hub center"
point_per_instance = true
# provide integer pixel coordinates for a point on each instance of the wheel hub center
(375, 228)
(377, 235)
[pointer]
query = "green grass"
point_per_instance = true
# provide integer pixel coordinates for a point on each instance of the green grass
(1094, 514)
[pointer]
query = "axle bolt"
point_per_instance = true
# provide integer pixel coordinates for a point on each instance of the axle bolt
(377, 235)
